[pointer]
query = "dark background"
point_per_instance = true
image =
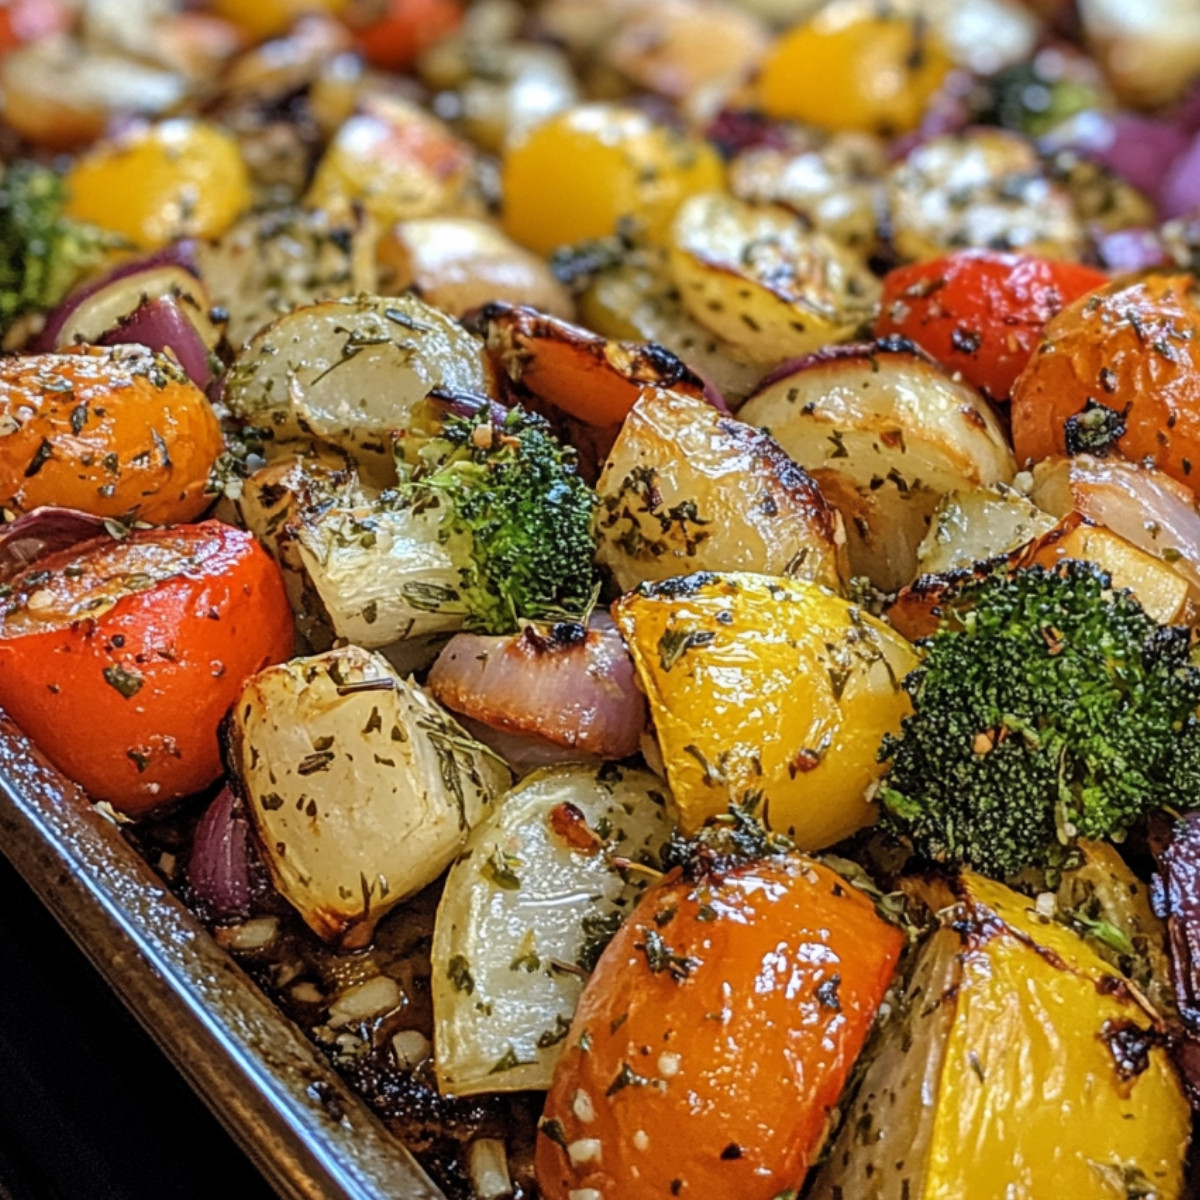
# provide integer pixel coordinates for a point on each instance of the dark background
(90, 1109)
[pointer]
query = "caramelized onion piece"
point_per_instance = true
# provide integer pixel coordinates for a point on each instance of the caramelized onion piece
(43, 531)
(1177, 900)
(1145, 507)
(572, 687)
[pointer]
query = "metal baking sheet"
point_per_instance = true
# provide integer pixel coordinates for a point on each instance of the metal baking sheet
(311, 1137)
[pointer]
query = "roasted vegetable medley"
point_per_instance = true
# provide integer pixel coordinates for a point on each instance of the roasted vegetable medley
(637, 562)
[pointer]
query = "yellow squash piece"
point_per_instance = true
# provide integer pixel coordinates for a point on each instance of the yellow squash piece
(770, 692)
(1019, 1066)
(855, 65)
(580, 173)
(179, 178)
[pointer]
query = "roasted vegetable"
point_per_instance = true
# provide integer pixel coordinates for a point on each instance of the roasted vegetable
(984, 188)
(855, 66)
(567, 685)
(119, 432)
(527, 911)
(582, 172)
(180, 178)
(755, 276)
(1048, 707)
(518, 506)
(1146, 507)
(349, 372)
(358, 566)
(571, 369)
(1117, 373)
(43, 252)
(1017, 1063)
(767, 692)
(120, 656)
(715, 1035)
(885, 433)
(687, 488)
(360, 788)
(981, 312)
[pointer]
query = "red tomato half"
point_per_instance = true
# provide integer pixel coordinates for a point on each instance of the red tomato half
(981, 312)
(119, 658)
(394, 33)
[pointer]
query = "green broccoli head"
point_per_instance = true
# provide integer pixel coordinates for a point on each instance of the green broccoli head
(43, 253)
(518, 505)
(1048, 708)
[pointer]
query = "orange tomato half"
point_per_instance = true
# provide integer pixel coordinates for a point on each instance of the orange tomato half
(118, 432)
(120, 657)
(715, 1036)
(1117, 372)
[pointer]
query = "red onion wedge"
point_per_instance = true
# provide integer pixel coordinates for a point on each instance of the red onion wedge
(106, 308)
(220, 868)
(569, 686)
(43, 531)
(162, 324)
(523, 754)
(1176, 895)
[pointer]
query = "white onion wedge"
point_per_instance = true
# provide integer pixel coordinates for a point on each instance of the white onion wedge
(361, 790)
(526, 909)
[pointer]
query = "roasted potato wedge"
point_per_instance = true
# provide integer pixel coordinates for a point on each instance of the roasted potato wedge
(886, 434)
(526, 911)
(458, 264)
(687, 488)
(361, 789)
(273, 262)
(356, 568)
(1001, 997)
(349, 372)
(974, 526)
(398, 162)
(981, 187)
(770, 693)
(634, 299)
(755, 276)
(836, 188)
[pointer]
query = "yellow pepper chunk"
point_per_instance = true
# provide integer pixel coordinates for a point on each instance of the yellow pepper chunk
(769, 692)
(179, 178)
(579, 173)
(270, 18)
(855, 65)
(1022, 1067)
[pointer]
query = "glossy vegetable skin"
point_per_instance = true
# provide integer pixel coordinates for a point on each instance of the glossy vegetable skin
(715, 1035)
(119, 658)
(1118, 373)
(1019, 1064)
(767, 692)
(981, 312)
(578, 174)
(118, 432)
(180, 178)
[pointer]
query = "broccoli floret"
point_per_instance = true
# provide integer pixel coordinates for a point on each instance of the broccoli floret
(43, 253)
(1048, 707)
(517, 502)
